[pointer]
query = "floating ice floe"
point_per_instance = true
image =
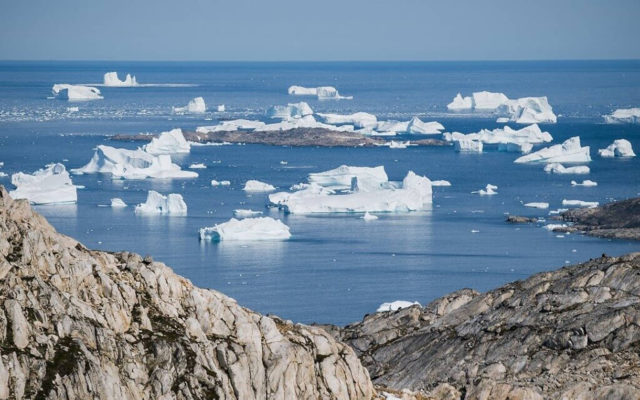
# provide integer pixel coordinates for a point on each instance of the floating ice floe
(221, 108)
(350, 178)
(465, 145)
(111, 79)
(551, 227)
(619, 148)
(369, 217)
(158, 204)
(50, 185)
(398, 145)
(132, 164)
(197, 166)
(540, 205)
(358, 120)
(624, 115)
(253, 185)
(68, 92)
(417, 127)
(220, 183)
(525, 110)
(507, 139)
(322, 92)
(579, 203)
(243, 213)
(557, 168)
(290, 111)
(249, 229)
(117, 202)
(586, 182)
(440, 183)
(558, 211)
(170, 142)
(489, 190)
(413, 194)
(396, 305)
(195, 106)
(570, 151)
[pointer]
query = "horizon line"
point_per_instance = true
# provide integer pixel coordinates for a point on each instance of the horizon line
(323, 61)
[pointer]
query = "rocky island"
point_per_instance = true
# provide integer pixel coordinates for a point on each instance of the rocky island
(617, 220)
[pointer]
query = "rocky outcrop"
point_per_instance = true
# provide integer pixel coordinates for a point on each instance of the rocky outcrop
(617, 220)
(573, 333)
(83, 324)
(518, 219)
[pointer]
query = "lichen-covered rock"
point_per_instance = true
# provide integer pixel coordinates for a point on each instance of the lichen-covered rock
(83, 324)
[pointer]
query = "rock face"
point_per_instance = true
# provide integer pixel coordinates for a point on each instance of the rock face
(573, 333)
(83, 324)
(618, 220)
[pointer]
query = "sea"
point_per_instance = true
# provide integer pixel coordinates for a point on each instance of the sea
(335, 268)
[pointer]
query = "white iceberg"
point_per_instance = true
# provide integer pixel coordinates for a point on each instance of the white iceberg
(322, 92)
(396, 305)
(347, 178)
(440, 183)
(197, 166)
(111, 79)
(358, 120)
(525, 110)
(540, 205)
(253, 185)
(570, 151)
(170, 142)
(417, 127)
(414, 126)
(369, 217)
(68, 92)
(244, 213)
(586, 182)
(557, 168)
(513, 147)
(220, 183)
(232, 125)
(507, 139)
(158, 204)
(195, 106)
(399, 145)
(619, 148)
(579, 203)
(460, 103)
(132, 164)
(551, 227)
(465, 145)
(290, 111)
(624, 115)
(248, 229)
(221, 108)
(489, 190)
(50, 185)
(117, 202)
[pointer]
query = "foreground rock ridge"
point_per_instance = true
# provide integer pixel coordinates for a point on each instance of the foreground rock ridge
(573, 333)
(83, 324)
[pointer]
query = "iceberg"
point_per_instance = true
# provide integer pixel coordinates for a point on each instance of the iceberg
(253, 185)
(369, 217)
(489, 190)
(552, 227)
(417, 127)
(514, 147)
(619, 148)
(68, 92)
(624, 115)
(586, 183)
(540, 205)
(525, 110)
(220, 183)
(465, 145)
(460, 103)
(506, 138)
(50, 185)
(557, 168)
(440, 183)
(243, 213)
(158, 204)
(579, 203)
(118, 203)
(396, 305)
(347, 178)
(221, 108)
(358, 120)
(233, 125)
(570, 151)
(322, 92)
(195, 106)
(170, 142)
(111, 79)
(248, 229)
(399, 145)
(132, 164)
(197, 166)
(290, 111)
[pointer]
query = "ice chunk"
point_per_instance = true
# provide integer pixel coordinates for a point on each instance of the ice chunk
(540, 205)
(557, 168)
(579, 203)
(156, 203)
(344, 177)
(322, 92)
(221, 108)
(489, 190)
(249, 229)
(111, 79)
(369, 217)
(195, 106)
(132, 164)
(502, 120)
(417, 127)
(396, 305)
(50, 185)
(551, 227)
(68, 92)
(399, 145)
(570, 151)
(619, 148)
(169, 142)
(585, 182)
(461, 103)
(253, 185)
(197, 166)
(359, 119)
(558, 211)
(290, 111)
(465, 145)
(508, 139)
(624, 115)
(243, 213)
(440, 183)
(220, 183)
(117, 202)
(529, 110)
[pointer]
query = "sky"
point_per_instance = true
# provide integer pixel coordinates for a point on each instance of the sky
(321, 30)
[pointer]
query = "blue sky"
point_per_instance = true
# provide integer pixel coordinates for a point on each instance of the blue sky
(283, 30)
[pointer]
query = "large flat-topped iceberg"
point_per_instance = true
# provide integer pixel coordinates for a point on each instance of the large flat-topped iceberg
(290, 111)
(321, 92)
(359, 119)
(248, 229)
(417, 127)
(507, 139)
(349, 178)
(158, 204)
(170, 142)
(50, 185)
(195, 106)
(525, 110)
(624, 115)
(619, 148)
(256, 186)
(111, 79)
(68, 92)
(132, 164)
(557, 168)
(570, 151)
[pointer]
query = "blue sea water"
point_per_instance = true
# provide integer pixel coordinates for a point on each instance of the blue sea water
(335, 269)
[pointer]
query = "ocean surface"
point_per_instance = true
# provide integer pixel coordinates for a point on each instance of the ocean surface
(335, 268)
